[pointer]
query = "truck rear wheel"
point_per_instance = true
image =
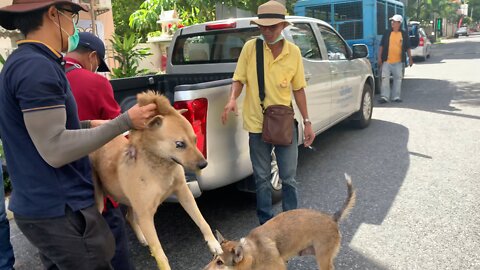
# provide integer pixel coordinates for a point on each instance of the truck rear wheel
(275, 181)
(248, 185)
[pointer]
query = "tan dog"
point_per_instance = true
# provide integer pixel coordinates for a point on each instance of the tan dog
(292, 233)
(144, 170)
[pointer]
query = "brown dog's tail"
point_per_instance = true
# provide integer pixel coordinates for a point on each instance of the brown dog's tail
(349, 203)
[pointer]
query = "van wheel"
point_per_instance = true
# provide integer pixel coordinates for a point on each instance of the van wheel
(362, 118)
(275, 181)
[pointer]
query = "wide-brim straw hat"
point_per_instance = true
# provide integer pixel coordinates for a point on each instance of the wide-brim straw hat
(270, 13)
(19, 7)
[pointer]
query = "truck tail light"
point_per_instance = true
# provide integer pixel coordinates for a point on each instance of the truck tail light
(421, 42)
(197, 116)
(220, 26)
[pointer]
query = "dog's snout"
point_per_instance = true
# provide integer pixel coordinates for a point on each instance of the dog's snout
(202, 164)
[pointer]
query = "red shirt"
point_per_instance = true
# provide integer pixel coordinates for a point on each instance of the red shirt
(94, 96)
(93, 93)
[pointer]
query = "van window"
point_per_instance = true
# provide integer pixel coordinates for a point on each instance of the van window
(336, 47)
(303, 36)
(347, 18)
(212, 47)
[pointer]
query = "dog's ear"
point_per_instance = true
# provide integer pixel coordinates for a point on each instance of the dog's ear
(219, 236)
(182, 111)
(238, 253)
(155, 122)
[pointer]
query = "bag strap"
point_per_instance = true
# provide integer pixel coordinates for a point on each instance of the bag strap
(70, 69)
(260, 71)
(74, 66)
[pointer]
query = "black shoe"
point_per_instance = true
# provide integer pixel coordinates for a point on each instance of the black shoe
(383, 100)
(398, 100)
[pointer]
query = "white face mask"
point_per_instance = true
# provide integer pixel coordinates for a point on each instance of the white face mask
(73, 39)
(280, 37)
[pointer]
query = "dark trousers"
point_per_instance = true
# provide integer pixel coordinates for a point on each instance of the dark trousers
(80, 240)
(116, 221)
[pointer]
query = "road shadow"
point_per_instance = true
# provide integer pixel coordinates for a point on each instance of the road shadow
(377, 178)
(443, 96)
(377, 167)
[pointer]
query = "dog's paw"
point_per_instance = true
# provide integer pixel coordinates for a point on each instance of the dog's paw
(215, 247)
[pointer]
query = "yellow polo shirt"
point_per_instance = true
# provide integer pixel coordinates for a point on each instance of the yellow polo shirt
(395, 48)
(281, 76)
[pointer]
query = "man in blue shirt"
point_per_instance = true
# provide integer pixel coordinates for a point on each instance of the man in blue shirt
(45, 147)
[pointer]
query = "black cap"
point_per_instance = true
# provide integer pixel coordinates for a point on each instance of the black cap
(92, 42)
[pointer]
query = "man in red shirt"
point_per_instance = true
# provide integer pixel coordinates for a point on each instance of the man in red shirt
(94, 96)
(93, 92)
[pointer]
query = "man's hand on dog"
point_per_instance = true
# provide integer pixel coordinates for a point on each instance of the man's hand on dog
(230, 107)
(141, 115)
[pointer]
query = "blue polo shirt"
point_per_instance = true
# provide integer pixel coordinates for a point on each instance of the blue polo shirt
(33, 79)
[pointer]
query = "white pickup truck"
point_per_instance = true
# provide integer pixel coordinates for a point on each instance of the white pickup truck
(201, 61)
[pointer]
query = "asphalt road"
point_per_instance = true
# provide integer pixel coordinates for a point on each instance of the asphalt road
(416, 171)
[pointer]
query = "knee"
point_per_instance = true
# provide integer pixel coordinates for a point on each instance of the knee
(262, 184)
(289, 182)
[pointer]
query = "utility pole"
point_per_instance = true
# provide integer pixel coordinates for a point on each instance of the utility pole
(94, 17)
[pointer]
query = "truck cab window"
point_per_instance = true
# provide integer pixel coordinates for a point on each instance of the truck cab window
(303, 36)
(336, 47)
(212, 47)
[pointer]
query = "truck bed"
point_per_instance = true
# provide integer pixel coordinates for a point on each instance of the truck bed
(125, 89)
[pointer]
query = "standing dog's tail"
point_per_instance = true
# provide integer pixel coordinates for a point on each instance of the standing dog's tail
(349, 203)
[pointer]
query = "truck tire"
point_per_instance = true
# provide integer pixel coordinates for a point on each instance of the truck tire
(275, 181)
(362, 118)
(248, 184)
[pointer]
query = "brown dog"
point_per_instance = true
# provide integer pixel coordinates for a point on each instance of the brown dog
(144, 170)
(292, 233)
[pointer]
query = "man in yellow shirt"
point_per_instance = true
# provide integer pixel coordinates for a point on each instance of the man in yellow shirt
(391, 57)
(283, 72)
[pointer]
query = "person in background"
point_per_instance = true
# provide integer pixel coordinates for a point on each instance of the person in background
(394, 46)
(7, 259)
(46, 146)
(94, 96)
(278, 54)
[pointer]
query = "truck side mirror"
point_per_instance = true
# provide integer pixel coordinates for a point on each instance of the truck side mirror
(360, 51)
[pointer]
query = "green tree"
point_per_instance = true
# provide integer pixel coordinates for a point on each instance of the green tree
(122, 9)
(252, 5)
(427, 10)
(144, 20)
(474, 10)
(128, 56)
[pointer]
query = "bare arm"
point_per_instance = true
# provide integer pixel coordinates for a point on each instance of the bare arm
(301, 101)
(232, 102)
